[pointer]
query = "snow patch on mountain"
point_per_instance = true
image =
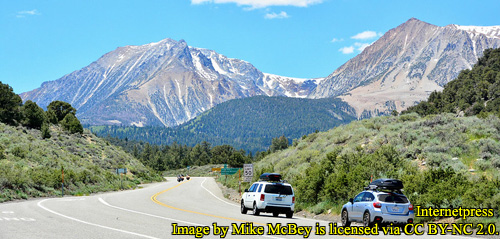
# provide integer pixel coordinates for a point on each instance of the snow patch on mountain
(489, 31)
(161, 83)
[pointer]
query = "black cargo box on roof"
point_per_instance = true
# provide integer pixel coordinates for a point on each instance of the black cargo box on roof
(273, 177)
(388, 183)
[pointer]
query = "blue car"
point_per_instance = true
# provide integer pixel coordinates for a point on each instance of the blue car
(376, 205)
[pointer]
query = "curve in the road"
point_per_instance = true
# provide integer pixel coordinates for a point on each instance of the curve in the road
(155, 199)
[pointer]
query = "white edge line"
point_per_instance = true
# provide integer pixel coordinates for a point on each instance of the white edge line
(89, 223)
(147, 214)
(216, 196)
(171, 219)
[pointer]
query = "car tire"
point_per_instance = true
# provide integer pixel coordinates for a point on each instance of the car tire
(366, 220)
(275, 214)
(256, 211)
(289, 214)
(243, 208)
(345, 219)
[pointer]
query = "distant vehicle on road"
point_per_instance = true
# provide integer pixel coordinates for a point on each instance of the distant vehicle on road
(381, 202)
(180, 178)
(270, 195)
(187, 177)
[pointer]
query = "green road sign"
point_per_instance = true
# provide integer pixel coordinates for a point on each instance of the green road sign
(229, 171)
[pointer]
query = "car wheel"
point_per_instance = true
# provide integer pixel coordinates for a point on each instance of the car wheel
(366, 220)
(345, 219)
(256, 211)
(289, 214)
(243, 208)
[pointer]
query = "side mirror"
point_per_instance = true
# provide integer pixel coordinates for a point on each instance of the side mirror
(246, 190)
(351, 200)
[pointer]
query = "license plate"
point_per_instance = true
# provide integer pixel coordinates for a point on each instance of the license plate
(279, 199)
(395, 209)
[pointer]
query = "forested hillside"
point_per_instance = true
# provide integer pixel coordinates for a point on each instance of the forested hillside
(249, 124)
(37, 146)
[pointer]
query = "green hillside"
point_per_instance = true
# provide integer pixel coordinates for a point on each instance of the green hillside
(31, 166)
(443, 160)
(249, 123)
(37, 146)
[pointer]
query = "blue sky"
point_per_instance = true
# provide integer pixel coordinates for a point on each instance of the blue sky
(42, 40)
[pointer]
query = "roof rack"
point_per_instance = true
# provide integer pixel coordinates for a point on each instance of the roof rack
(382, 189)
(271, 177)
(372, 187)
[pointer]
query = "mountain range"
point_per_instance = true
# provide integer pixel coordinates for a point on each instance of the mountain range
(164, 83)
(406, 64)
(168, 83)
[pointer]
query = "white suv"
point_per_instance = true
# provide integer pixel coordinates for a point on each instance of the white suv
(269, 196)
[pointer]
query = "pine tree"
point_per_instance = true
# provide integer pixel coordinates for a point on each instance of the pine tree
(10, 104)
(60, 109)
(72, 124)
(33, 115)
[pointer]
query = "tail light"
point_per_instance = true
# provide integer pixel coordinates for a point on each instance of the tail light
(410, 207)
(262, 197)
(293, 199)
(377, 205)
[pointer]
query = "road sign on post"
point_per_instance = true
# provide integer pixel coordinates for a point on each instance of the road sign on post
(229, 171)
(247, 172)
(121, 170)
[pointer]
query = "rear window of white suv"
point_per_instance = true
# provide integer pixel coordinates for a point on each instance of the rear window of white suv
(392, 198)
(278, 189)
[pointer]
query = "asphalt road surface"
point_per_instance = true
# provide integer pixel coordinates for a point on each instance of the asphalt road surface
(152, 212)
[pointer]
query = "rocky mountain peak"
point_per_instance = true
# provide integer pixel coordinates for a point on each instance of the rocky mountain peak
(405, 65)
(161, 83)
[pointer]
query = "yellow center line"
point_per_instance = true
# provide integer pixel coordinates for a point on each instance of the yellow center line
(154, 199)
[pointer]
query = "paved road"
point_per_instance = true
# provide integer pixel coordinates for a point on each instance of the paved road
(149, 212)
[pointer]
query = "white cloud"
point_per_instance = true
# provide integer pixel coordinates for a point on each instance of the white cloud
(253, 4)
(347, 50)
(274, 15)
(361, 46)
(366, 35)
(337, 40)
(28, 13)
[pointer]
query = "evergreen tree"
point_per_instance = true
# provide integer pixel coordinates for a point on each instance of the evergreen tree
(72, 124)
(51, 117)
(278, 144)
(33, 115)
(10, 104)
(60, 109)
